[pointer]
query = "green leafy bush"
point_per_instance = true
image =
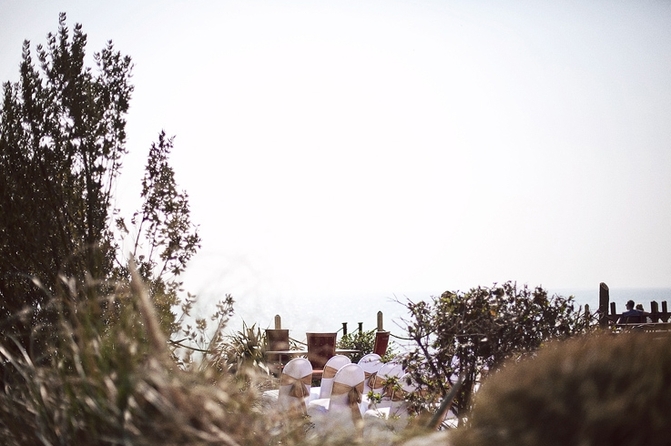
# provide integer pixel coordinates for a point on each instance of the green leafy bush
(364, 341)
(470, 334)
(243, 351)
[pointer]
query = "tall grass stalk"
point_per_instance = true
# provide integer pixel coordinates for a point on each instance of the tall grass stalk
(109, 380)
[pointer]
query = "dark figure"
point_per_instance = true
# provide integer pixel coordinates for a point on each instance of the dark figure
(632, 315)
(644, 315)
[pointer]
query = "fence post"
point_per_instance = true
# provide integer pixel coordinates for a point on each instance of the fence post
(360, 327)
(278, 322)
(344, 328)
(603, 304)
(380, 321)
(654, 311)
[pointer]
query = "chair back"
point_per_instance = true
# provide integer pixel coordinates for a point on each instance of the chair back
(277, 339)
(381, 342)
(331, 367)
(370, 364)
(395, 403)
(347, 392)
(321, 347)
(295, 383)
(390, 369)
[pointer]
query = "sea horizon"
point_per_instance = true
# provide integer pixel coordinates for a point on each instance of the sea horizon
(327, 314)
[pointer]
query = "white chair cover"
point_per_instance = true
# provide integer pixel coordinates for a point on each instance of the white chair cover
(371, 364)
(368, 358)
(397, 403)
(345, 401)
(344, 408)
(330, 369)
(387, 370)
(393, 408)
(295, 383)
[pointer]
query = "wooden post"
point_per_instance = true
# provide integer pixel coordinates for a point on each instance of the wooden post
(344, 328)
(603, 304)
(613, 309)
(587, 315)
(360, 327)
(654, 311)
(379, 321)
(278, 322)
(665, 312)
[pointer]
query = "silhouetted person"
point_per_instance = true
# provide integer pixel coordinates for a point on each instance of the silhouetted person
(632, 315)
(644, 315)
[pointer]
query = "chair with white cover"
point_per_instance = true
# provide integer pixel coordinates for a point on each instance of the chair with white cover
(398, 406)
(345, 407)
(321, 348)
(392, 409)
(389, 369)
(341, 414)
(295, 383)
(318, 403)
(330, 369)
(277, 339)
(371, 364)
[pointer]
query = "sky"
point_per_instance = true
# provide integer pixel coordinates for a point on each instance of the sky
(341, 154)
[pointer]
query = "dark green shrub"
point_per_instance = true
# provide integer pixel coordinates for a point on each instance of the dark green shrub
(470, 334)
(364, 341)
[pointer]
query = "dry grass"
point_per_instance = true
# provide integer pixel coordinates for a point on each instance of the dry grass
(111, 379)
(596, 390)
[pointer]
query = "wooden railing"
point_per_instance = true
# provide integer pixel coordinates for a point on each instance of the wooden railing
(380, 323)
(654, 320)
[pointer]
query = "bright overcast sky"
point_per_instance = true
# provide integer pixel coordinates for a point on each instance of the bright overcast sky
(361, 147)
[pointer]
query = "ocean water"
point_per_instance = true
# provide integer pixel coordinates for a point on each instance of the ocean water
(327, 313)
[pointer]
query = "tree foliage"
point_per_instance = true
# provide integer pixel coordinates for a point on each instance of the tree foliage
(165, 239)
(364, 342)
(62, 141)
(62, 138)
(470, 334)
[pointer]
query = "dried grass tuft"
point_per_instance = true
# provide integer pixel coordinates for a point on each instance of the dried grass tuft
(109, 377)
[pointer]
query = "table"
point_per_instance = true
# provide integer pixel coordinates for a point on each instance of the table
(346, 351)
(292, 353)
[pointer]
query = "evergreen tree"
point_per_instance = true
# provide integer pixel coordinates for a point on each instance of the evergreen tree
(62, 140)
(165, 238)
